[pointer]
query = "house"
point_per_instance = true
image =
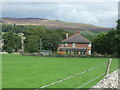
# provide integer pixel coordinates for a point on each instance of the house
(75, 44)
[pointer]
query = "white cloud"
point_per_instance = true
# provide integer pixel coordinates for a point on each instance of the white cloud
(100, 14)
(60, 0)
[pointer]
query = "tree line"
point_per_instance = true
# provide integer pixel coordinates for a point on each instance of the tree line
(36, 38)
(41, 38)
(109, 42)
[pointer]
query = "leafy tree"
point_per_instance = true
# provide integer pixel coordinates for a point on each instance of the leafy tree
(35, 30)
(12, 42)
(9, 50)
(99, 44)
(51, 40)
(108, 42)
(118, 24)
(42, 39)
(31, 44)
(117, 39)
(62, 32)
(14, 28)
(34, 38)
(6, 28)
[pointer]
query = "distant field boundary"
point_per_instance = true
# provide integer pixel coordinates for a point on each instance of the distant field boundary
(68, 55)
(8, 53)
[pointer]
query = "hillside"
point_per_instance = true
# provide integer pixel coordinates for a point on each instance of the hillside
(55, 24)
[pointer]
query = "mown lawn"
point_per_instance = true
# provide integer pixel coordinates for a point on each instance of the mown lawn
(34, 72)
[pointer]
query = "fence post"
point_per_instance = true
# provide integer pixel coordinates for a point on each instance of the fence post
(108, 66)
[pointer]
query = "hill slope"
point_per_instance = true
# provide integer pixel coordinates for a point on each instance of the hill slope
(54, 24)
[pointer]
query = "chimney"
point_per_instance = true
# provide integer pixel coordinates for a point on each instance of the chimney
(66, 35)
(78, 32)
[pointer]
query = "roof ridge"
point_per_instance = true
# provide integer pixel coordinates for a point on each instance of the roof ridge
(86, 38)
(69, 37)
(82, 38)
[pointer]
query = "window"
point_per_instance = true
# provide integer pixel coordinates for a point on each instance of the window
(64, 44)
(67, 52)
(89, 45)
(82, 53)
(73, 45)
(76, 52)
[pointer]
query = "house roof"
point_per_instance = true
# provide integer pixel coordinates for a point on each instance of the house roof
(76, 38)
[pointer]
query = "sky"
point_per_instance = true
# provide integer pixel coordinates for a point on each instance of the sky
(60, 0)
(102, 14)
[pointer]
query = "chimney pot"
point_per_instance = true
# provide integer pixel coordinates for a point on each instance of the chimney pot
(66, 35)
(78, 32)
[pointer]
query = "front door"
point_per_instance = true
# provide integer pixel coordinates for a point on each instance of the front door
(82, 52)
(76, 52)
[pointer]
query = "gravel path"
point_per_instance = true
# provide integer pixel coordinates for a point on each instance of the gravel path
(110, 81)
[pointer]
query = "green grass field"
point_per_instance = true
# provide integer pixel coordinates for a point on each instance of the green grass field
(34, 72)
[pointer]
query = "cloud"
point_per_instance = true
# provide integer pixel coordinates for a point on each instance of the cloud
(60, 0)
(90, 13)
(100, 14)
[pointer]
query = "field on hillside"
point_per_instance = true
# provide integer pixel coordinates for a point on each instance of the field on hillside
(56, 24)
(35, 72)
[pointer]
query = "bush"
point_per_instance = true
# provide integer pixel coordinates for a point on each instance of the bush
(67, 55)
(9, 50)
(55, 55)
(94, 53)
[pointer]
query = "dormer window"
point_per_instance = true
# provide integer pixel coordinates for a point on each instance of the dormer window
(89, 45)
(64, 44)
(73, 45)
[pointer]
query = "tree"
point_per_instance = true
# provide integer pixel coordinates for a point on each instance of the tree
(118, 24)
(42, 38)
(108, 42)
(12, 42)
(31, 44)
(34, 37)
(6, 28)
(117, 39)
(100, 44)
(62, 32)
(51, 40)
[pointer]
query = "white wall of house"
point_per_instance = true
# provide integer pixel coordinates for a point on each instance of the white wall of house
(89, 52)
(89, 45)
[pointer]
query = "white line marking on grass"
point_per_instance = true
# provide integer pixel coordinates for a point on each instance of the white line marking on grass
(95, 79)
(92, 80)
(72, 76)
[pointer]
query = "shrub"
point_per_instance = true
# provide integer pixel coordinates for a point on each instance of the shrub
(66, 55)
(94, 53)
(9, 50)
